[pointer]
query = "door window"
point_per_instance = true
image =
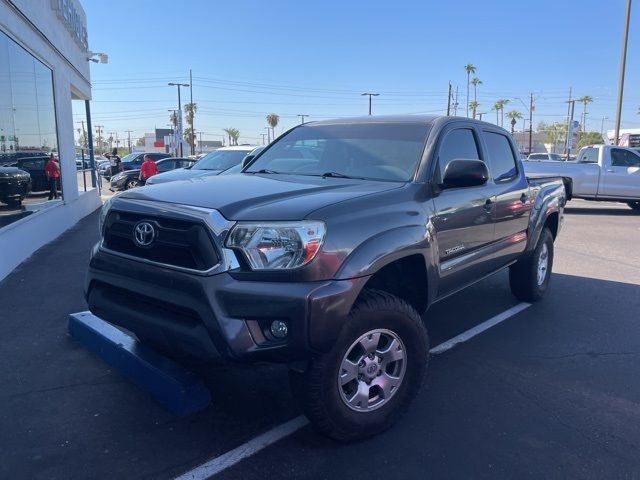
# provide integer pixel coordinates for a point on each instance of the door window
(624, 158)
(166, 166)
(458, 144)
(502, 161)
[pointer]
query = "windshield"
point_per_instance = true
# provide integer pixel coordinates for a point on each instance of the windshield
(220, 160)
(388, 152)
(130, 158)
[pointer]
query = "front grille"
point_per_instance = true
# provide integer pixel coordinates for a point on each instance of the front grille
(179, 243)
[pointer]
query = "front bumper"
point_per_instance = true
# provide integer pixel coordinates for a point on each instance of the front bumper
(14, 189)
(213, 316)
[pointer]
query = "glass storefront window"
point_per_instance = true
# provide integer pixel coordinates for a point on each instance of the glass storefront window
(28, 134)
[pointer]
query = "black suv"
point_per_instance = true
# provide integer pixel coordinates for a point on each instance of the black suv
(15, 184)
(130, 178)
(324, 252)
(133, 161)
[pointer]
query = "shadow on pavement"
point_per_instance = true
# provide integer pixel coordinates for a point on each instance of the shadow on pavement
(625, 211)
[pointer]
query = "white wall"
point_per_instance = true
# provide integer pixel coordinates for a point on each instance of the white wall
(70, 71)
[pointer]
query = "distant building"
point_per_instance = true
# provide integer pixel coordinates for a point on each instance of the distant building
(162, 140)
(629, 137)
(206, 146)
(537, 142)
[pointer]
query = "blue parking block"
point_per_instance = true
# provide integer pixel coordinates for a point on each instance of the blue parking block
(178, 390)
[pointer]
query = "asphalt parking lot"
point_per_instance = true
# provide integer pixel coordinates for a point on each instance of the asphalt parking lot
(552, 392)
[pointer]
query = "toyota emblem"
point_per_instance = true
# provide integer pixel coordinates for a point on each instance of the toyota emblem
(144, 234)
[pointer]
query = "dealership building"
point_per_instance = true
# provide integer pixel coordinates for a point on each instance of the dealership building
(44, 70)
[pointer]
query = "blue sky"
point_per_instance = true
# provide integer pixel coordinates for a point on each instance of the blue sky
(250, 58)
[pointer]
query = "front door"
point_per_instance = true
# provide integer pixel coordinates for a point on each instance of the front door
(622, 176)
(464, 216)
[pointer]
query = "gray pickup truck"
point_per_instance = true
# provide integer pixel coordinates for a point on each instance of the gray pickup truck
(324, 252)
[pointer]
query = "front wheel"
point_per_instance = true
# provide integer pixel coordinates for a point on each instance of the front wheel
(132, 183)
(634, 205)
(529, 277)
(368, 379)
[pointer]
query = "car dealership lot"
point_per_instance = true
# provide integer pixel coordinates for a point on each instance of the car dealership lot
(553, 391)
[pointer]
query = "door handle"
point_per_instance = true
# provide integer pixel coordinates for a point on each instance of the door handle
(488, 205)
(524, 198)
(610, 170)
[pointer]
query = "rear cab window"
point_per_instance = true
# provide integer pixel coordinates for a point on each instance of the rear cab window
(457, 144)
(501, 158)
(588, 155)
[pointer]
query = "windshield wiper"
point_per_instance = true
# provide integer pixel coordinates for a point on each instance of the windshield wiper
(264, 170)
(338, 175)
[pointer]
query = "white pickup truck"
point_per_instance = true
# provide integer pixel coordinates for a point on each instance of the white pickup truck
(600, 172)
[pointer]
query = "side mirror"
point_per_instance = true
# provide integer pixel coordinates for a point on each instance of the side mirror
(462, 173)
(247, 160)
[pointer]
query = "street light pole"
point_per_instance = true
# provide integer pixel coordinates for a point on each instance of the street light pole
(623, 62)
(172, 84)
(263, 134)
(370, 95)
(305, 115)
(602, 126)
(128, 132)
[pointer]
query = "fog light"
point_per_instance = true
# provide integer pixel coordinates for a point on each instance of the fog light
(279, 329)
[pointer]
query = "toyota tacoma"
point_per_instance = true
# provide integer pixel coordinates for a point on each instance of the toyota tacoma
(324, 252)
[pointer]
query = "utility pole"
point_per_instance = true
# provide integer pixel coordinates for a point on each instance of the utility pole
(602, 126)
(623, 62)
(263, 134)
(572, 105)
(455, 104)
(449, 102)
(99, 129)
(370, 95)
(128, 132)
(179, 135)
(193, 130)
(268, 135)
(480, 115)
(200, 134)
(530, 121)
(84, 132)
(305, 115)
(568, 125)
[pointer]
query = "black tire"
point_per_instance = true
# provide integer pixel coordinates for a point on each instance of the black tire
(523, 275)
(131, 183)
(634, 205)
(14, 202)
(317, 388)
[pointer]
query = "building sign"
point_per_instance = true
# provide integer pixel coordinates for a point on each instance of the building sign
(74, 20)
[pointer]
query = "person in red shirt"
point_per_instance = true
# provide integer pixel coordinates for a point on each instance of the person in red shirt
(52, 170)
(148, 169)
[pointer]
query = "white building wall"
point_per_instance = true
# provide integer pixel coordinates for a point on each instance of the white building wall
(35, 26)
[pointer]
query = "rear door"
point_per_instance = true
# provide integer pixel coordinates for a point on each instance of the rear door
(622, 175)
(464, 216)
(511, 193)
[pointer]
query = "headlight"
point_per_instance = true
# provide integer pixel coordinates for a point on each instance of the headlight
(103, 214)
(117, 177)
(277, 245)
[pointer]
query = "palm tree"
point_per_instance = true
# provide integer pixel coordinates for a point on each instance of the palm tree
(585, 100)
(235, 135)
(229, 131)
(173, 118)
(473, 105)
(502, 102)
(190, 110)
(475, 82)
(469, 68)
(497, 106)
(514, 115)
(272, 121)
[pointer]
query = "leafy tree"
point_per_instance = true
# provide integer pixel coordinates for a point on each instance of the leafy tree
(469, 68)
(190, 111)
(82, 138)
(189, 135)
(173, 118)
(514, 115)
(473, 105)
(590, 138)
(140, 142)
(272, 121)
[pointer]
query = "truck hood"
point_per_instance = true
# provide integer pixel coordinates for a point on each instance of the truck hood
(260, 196)
(182, 174)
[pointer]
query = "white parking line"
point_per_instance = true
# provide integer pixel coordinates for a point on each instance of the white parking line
(253, 446)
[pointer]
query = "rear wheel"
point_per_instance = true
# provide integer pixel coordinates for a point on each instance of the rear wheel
(368, 379)
(635, 205)
(529, 277)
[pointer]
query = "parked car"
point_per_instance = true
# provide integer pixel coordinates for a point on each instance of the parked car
(34, 166)
(133, 161)
(10, 158)
(130, 178)
(326, 262)
(600, 172)
(541, 157)
(15, 184)
(211, 164)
